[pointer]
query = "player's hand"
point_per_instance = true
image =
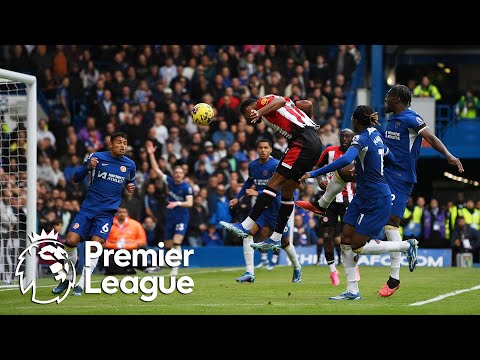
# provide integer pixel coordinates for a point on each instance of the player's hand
(305, 176)
(251, 192)
(233, 202)
(172, 204)
(150, 148)
(131, 188)
(323, 184)
(93, 163)
(456, 162)
(254, 116)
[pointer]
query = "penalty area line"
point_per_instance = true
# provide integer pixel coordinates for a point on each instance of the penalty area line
(441, 297)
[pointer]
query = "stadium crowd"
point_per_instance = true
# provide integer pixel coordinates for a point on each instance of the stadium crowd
(147, 92)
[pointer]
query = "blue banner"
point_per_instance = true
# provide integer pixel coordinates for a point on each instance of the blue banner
(232, 256)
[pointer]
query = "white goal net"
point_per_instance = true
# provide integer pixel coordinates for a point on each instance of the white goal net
(17, 172)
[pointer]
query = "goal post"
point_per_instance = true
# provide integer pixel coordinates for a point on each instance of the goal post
(15, 86)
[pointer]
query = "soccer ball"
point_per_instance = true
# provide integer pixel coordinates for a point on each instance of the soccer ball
(202, 114)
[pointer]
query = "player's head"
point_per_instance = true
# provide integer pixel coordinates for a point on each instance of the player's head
(178, 174)
(246, 106)
(264, 148)
(118, 143)
(346, 136)
(398, 99)
(363, 117)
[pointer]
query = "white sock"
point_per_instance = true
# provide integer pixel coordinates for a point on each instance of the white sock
(72, 256)
(382, 247)
(274, 259)
(350, 266)
(264, 256)
(335, 186)
(248, 223)
(276, 236)
(332, 267)
(174, 270)
(292, 255)
(93, 264)
(248, 252)
(393, 234)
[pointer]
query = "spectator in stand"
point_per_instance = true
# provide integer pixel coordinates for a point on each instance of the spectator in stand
(198, 222)
(319, 71)
(436, 226)
(426, 89)
(343, 63)
(412, 219)
(467, 106)
(223, 134)
(211, 237)
(464, 239)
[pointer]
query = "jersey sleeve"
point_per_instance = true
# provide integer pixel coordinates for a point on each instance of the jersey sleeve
(132, 175)
(359, 142)
(87, 159)
(264, 101)
(416, 123)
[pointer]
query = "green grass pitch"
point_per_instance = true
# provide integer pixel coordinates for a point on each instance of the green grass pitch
(451, 291)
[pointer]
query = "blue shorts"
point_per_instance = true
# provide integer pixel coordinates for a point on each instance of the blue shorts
(401, 191)
(90, 224)
(368, 216)
(269, 218)
(179, 226)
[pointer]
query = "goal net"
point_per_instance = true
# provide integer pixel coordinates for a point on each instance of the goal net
(18, 127)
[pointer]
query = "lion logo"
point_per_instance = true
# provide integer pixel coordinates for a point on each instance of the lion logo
(51, 250)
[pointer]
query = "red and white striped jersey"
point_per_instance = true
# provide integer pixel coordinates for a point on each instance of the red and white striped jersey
(329, 155)
(287, 119)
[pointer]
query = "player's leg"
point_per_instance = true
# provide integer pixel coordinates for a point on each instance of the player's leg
(292, 255)
(101, 226)
(300, 157)
(349, 260)
(79, 228)
(400, 193)
(265, 232)
(248, 254)
(373, 213)
(263, 201)
(180, 231)
(334, 187)
(330, 221)
(286, 208)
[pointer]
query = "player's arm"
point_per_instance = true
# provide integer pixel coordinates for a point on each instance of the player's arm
(341, 162)
(322, 179)
(246, 185)
(438, 145)
(274, 105)
(132, 181)
(306, 106)
(153, 162)
(188, 203)
(89, 165)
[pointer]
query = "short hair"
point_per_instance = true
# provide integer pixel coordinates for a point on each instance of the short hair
(263, 140)
(57, 221)
(347, 131)
(245, 103)
(118, 134)
(365, 115)
(402, 92)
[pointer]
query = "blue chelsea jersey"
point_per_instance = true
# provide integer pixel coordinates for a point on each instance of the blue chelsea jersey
(260, 173)
(107, 182)
(402, 136)
(369, 164)
(177, 192)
